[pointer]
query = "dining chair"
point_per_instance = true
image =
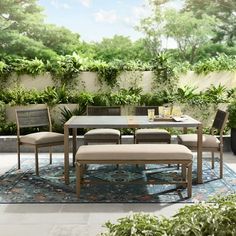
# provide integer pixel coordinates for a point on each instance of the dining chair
(39, 119)
(104, 135)
(150, 135)
(210, 143)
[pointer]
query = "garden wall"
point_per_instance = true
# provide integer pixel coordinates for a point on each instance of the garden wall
(88, 81)
(202, 82)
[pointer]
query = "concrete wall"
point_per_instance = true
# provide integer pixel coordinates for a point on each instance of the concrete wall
(202, 82)
(39, 82)
(88, 81)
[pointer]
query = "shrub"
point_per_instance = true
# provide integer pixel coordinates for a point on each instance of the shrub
(202, 219)
(232, 113)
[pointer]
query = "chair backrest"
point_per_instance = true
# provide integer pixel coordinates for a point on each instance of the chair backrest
(26, 118)
(103, 111)
(143, 111)
(220, 120)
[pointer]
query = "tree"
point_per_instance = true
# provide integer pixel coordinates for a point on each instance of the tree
(23, 32)
(59, 39)
(151, 27)
(19, 45)
(121, 48)
(188, 32)
(19, 14)
(225, 13)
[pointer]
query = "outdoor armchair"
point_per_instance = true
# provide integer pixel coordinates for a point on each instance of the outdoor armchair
(151, 135)
(36, 118)
(210, 143)
(102, 135)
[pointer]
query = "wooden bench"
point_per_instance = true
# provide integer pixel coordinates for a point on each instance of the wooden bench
(135, 154)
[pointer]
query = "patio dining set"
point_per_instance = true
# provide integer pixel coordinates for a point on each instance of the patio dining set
(102, 141)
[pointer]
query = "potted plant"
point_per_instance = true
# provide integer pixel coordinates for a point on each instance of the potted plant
(232, 123)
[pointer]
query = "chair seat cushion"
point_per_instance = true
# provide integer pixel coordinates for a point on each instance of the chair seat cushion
(102, 134)
(190, 140)
(42, 138)
(152, 134)
(132, 152)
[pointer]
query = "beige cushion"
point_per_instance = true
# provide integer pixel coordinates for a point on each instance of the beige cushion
(134, 152)
(152, 134)
(190, 140)
(42, 138)
(102, 134)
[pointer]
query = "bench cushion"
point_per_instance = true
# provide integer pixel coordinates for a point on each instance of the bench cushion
(132, 152)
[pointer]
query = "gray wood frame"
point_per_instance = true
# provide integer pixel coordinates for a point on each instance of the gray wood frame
(76, 122)
(186, 170)
(26, 118)
(143, 111)
(219, 124)
(103, 111)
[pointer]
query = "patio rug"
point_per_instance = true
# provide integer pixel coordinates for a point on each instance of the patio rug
(23, 186)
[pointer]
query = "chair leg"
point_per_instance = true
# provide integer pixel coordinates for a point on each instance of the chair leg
(221, 163)
(50, 155)
(79, 176)
(212, 160)
(183, 171)
(136, 142)
(18, 154)
(36, 161)
(189, 180)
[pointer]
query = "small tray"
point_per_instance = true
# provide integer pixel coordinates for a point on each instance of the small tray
(163, 119)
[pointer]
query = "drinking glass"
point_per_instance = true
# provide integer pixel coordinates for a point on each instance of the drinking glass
(161, 111)
(151, 114)
(176, 110)
(167, 111)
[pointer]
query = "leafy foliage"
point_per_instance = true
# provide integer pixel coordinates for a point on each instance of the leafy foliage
(189, 32)
(66, 68)
(109, 73)
(125, 97)
(7, 128)
(221, 62)
(232, 113)
(5, 70)
(2, 112)
(31, 67)
(218, 218)
(224, 11)
(66, 113)
(165, 78)
(136, 225)
(130, 96)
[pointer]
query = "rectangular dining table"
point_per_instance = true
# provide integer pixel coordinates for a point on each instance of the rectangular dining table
(118, 122)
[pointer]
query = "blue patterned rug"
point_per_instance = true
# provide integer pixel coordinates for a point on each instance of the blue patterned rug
(23, 186)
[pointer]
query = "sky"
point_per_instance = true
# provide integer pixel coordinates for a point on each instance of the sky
(96, 19)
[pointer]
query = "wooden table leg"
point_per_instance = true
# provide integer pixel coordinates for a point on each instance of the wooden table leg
(199, 154)
(74, 145)
(66, 154)
(185, 130)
